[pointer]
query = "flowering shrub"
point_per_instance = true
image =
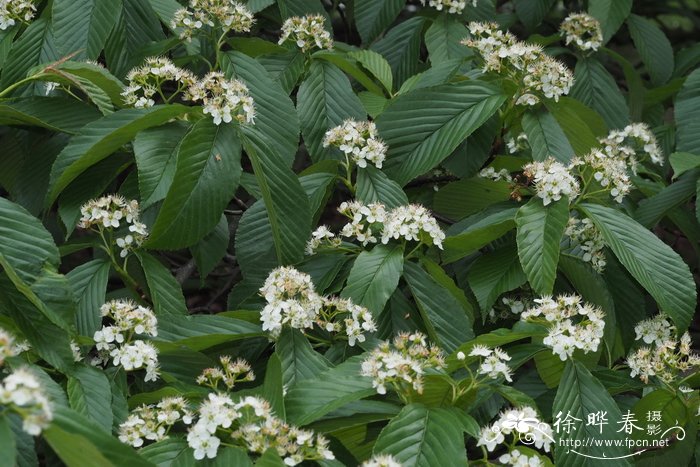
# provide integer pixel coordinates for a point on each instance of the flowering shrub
(375, 233)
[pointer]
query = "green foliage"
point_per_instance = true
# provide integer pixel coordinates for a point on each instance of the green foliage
(431, 244)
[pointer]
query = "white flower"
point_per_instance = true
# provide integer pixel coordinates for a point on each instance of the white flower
(109, 212)
(225, 15)
(553, 180)
(656, 330)
(224, 99)
(522, 422)
(21, 392)
(307, 33)
(401, 363)
(627, 143)
(381, 460)
(537, 73)
(358, 141)
(490, 438)
(587, 242)
(565, 334)
(582, 30)
(517, 144)
(321, 235)
(413, 223)
(339, 313)
(146, 81)
(291, 299)
(12, 11)
(8, 346)
(365, 220)
(203, 442)
(490, 173)
(450, 6)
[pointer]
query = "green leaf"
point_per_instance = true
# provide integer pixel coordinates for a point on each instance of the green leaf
(299, 361)
(687, 111)
(254, 244)
(495, 273)
(374, 277)
(155, 151)
(425, 437)
(285, 200)
(374, 16)
(99, 139)
(8, 444)
(532, 12)
(445, 317)
(540, 230)
(596, 87)
(79, 441)
(654, 48)
(443, 37)
(164, 290)
(53, 113)
(468, 196)
(300, 8)
(651, 210)
(24, 242)
(658, 268)
(276, 117)
(546, 138)
(580, 124)
(82, 26)
(377, 65)
(329, 391)
(682, 162)
(206, 177)
(285, 68)
(325, 99)
(35, 46)
(423, 127)
(477, 231)
(401, 48)
(373, 186)
(610, 13)
(90, 395)
(211, 249)
(580, 394)
(200, 332)
(273, 386)
(89, 283)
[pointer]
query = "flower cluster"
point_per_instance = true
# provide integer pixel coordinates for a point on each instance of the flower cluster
(306, 32)
(553, 180)
(229, 373)
(12, 11)
(565, 335)
(518, 459)
(250, 422)
(358, 141)
(225, 15)
(147, 80)
(523, 423)
(586, 240)
(320, 236)
(153, 422)
(21, 392)
(292, 300)
(582, 30)
(656, 330)
(517, 144)
(493, 361)
(664, 360)
(496, 176)
(402, 364)
(109, 212)
(116, 340)
(381, 460)
(450, 6)
(630, 142)
(412, 222)
(537, 74)
(8, 346)
(338, 313)
(610, 172)
(223, 99)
